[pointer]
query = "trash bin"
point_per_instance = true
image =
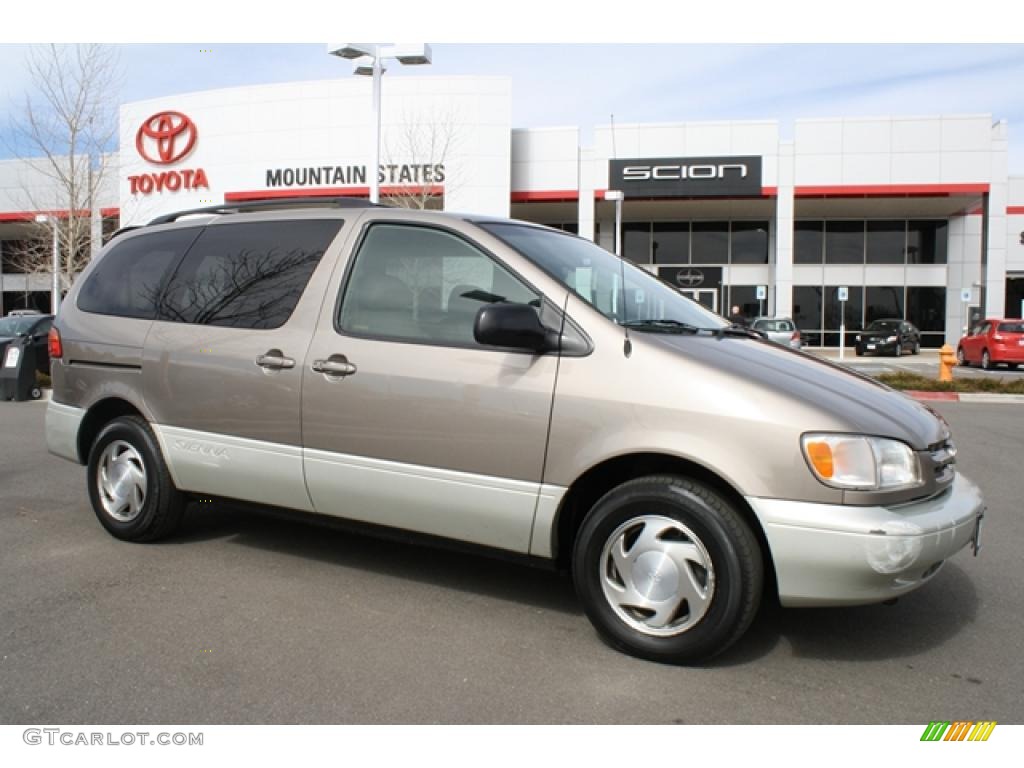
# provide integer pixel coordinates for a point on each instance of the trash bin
(18, 371)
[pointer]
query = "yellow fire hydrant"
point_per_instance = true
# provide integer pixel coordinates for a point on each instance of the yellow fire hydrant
(946, 362)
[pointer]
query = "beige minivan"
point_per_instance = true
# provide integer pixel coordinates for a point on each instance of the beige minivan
(505, 385)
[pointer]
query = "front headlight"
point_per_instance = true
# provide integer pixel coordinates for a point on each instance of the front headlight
(891, 340)
(862, 463)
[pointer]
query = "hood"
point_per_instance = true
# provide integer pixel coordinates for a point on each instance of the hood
(862, 404)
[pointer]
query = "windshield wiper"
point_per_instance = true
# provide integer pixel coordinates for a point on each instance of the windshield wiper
(663, 326)
(735, 329)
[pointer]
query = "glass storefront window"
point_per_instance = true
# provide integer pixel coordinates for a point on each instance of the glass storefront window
(636, 242)
(710, 242)
(834, 311)
(749, 242)
(807, 312)
(927, 242)
(883, 302)
(886, 241)
(926, 307)
(744, 297)
(671, 243)
(808, 242)
(844, 242)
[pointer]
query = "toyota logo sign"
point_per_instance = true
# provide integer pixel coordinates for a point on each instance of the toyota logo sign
(689, 278)
(166, 137)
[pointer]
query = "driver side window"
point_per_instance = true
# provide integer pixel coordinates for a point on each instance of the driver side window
(419, 284)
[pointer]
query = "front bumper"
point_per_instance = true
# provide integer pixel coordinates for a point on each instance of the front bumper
(830, 554)
(62, 423)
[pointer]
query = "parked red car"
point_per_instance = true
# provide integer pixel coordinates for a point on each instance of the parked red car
(991, 342)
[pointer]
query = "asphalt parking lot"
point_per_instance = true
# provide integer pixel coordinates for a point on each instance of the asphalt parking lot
(245, 618)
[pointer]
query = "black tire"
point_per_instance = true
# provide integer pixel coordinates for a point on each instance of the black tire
(733, 583)
(35, 393)
(917, 348)
(986, 360)
(857, 351)
(899, 349)
(961, 358)
(163, 505)
(1012, 366)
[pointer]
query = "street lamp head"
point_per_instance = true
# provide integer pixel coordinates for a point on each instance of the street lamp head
(352, 50)
(364, 66)
(410, 53)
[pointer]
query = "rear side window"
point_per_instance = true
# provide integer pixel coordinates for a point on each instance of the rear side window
(130, 277)
(1012, 327)
(247, 275)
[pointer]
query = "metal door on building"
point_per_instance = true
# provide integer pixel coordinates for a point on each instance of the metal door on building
(707, 297)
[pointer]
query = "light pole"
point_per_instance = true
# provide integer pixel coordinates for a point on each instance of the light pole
(369, 60)
(42, 218)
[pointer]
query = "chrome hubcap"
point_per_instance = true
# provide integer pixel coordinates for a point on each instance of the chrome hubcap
(121, 479)
(657, 576)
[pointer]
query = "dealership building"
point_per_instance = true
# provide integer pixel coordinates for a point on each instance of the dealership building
(904, 216)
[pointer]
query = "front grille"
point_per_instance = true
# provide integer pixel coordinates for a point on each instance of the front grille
(943, 458)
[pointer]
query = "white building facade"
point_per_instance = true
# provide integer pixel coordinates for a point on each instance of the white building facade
(914, 217)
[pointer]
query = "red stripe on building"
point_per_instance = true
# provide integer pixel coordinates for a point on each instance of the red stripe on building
(891, 190)
(1015, 210)
(284, 194)
(31, 215)
(546, 196)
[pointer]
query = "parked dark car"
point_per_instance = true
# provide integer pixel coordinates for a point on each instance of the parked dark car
(889, 337)
(36, 326)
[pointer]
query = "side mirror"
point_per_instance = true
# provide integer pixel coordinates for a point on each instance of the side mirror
(513, 325)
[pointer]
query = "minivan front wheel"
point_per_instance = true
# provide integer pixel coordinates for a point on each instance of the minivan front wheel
(129, 485)
(668, 570)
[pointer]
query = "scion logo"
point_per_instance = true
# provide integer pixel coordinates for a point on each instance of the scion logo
(689, 278)
(733, 176)
(166, 137)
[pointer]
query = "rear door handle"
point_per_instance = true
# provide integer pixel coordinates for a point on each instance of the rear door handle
(334, 366)
(274, 360)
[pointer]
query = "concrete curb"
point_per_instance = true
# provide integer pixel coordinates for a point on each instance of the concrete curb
(965, 397)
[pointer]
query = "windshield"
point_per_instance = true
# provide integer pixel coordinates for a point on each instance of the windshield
(884, 325)
(12, 326)
(775, 326)
(595, 275)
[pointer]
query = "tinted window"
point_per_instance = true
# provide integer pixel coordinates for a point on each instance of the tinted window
(927, 242)
(886, 242)
(883, 301)
(421, 284)
(1011, 327)
(247, 275)
(926, 307)
(672, 243)
(636, 242)
(808, 242)
(750, 242)
(844, 242)
(130, 277)
(710, 242)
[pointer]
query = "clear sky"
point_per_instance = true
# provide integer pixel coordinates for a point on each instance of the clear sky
(582, 84)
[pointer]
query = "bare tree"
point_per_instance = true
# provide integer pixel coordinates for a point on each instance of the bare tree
(423, 145)
(64, 131)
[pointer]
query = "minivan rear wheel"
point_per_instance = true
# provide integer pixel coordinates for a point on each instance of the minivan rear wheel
(668, 570)
(130, 487)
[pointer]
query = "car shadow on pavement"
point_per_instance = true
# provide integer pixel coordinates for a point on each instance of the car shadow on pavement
(918, 622)
(396, 555)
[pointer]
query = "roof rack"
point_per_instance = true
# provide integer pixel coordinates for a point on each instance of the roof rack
(264, 205)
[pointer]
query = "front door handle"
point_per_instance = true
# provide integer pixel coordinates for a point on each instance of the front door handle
(274, 360)
(334, 366)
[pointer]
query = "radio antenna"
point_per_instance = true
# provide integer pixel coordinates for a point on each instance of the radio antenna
(627, 345)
